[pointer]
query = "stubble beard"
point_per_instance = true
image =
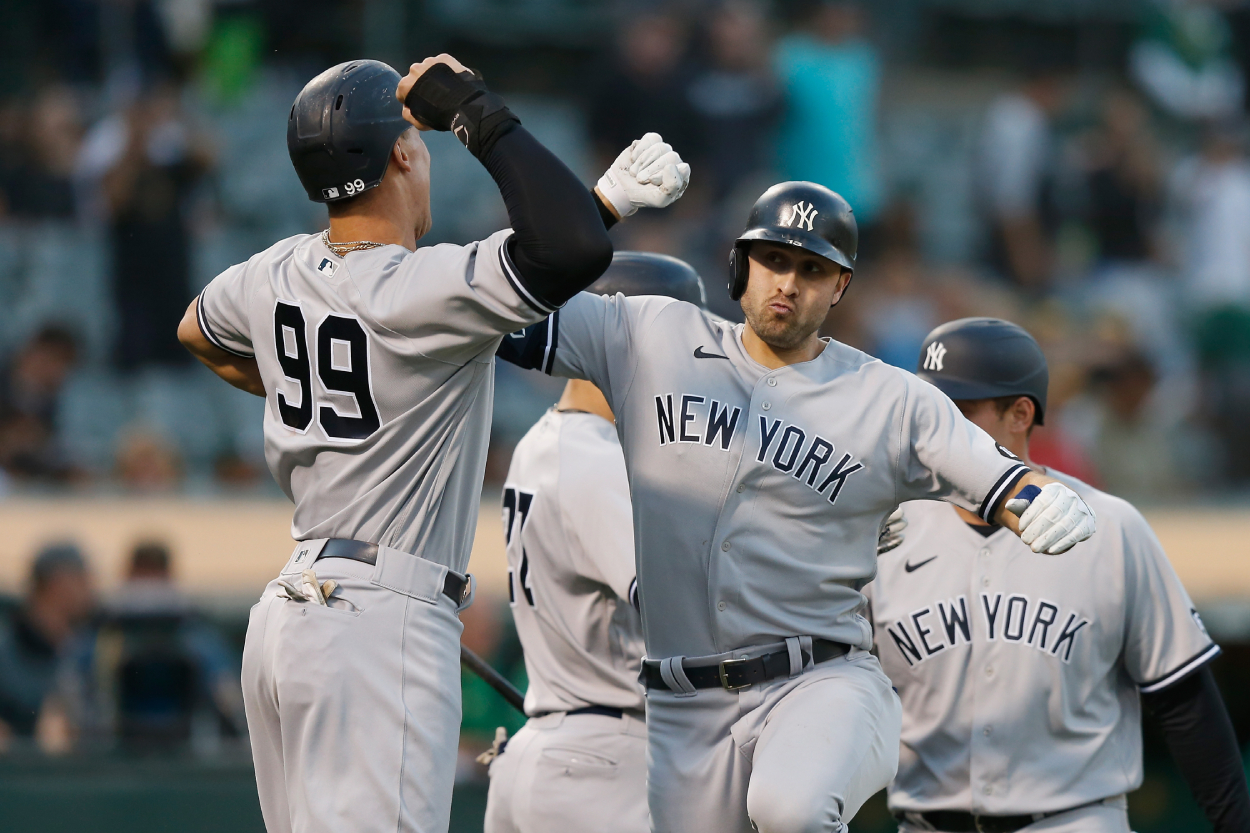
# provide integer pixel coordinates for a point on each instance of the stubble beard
(778, 334)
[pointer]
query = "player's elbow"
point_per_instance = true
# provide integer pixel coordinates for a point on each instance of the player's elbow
(566, 269)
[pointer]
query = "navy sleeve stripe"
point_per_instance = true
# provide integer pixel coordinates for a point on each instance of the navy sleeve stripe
(210, 335)
(989, 506)
(514, 278)
(1186, 668)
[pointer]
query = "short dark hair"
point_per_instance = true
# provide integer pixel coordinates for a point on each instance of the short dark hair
(53, 559)
(1002, 403)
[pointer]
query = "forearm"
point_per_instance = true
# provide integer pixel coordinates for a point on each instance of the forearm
(1200, 736)
(560, 244)
(243, 373)
(1005, 517)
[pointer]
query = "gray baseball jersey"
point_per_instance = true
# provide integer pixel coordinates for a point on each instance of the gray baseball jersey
(757, 493)
(1019, 673)
(568, 523)
(379, 380)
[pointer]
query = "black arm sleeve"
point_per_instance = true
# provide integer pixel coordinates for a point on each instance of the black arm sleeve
(1200, 735)
(559, 243)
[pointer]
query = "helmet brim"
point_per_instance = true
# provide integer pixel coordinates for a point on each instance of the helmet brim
(806, 240)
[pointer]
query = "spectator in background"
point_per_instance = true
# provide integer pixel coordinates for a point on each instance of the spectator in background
(1014, 177)
(38, 150)
(147, 461)
(30, 393)
(645, 89)
(35, 636)
(1123, 183)
(831, 79)
(1134, 451)
(735, 99)
(152, 664)
(147, 164)
(1211, 194)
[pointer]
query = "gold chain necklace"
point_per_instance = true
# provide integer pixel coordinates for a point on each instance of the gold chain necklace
(341, 249)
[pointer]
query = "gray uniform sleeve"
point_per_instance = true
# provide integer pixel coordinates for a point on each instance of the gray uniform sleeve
(943, 456)
(448, 293)
(598, 516)
(596, 338)
(1164, 640)
(222, 312)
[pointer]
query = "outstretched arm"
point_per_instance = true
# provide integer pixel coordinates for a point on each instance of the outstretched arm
(239, 371)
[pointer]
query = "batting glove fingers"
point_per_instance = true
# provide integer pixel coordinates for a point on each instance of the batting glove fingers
(1056, 520)
(891, 534)
(647, 174)
(643, 152)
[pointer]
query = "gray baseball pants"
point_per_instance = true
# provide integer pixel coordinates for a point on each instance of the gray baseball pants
(794, 755)
(354, 708)
(583, 773)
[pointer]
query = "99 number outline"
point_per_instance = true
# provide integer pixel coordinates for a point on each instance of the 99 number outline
(351, 380)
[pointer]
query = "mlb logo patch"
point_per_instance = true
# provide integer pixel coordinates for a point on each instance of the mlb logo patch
(302, 555)
(327, 267)
(330, 193)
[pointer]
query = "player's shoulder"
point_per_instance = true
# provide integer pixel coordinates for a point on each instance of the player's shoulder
(277, 254)
(588, 442)
(1111, 511)
(845, 359)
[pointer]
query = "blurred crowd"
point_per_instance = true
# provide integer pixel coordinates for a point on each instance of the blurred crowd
(139, 669)
(1104, 205)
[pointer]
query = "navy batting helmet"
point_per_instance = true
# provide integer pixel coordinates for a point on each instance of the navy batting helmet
(646, 273)
(801, 214)
(984, 358)
(342, 127)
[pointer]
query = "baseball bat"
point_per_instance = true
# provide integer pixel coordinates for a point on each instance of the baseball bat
(493, 678)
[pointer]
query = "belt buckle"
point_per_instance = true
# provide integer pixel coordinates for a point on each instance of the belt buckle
(724, 677)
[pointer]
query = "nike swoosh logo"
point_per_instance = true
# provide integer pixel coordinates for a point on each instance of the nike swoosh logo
(911, 568)
(699, 354)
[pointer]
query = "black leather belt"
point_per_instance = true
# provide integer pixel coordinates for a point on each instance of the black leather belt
(733, 674)
(956, 821)
(455, 586)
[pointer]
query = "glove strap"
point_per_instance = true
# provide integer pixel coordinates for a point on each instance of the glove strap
(459, 101)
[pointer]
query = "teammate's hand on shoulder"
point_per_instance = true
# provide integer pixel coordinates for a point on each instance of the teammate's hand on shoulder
(414, 74)
(647, 174)
(1055, 520)
(891, 534)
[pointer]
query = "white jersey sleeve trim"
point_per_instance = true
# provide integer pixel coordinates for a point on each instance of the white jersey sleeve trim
(210, 335)
(1004, 484)
(1186, 668)
(514, 277)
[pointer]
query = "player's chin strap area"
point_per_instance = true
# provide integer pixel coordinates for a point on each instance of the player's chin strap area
(739, 669)
(955, 821)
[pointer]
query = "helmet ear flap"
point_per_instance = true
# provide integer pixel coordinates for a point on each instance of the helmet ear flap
(739, 270)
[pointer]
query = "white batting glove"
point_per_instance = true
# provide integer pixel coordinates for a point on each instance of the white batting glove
(647, 174)
(1055, 520)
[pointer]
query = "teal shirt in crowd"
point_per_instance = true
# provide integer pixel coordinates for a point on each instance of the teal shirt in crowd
(829, 134)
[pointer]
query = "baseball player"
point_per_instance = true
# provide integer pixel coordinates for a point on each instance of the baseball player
(761, 461)
(376, 362)
(1022, 678)
(579, 763)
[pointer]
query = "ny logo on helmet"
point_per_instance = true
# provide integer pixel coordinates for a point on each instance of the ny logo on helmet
(933, 357)
(801, 214)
